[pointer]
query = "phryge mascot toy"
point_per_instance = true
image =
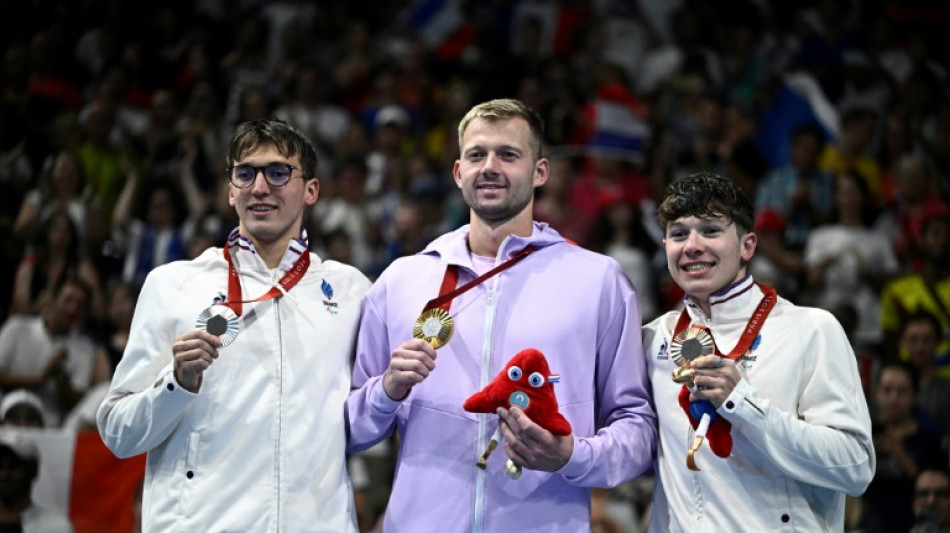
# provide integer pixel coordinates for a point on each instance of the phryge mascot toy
(525, 382)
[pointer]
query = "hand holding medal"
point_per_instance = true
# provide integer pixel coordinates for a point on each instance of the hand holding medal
(687, 346)
(690, 343)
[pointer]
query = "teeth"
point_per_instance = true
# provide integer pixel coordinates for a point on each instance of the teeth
(261, 208)
(696, 268)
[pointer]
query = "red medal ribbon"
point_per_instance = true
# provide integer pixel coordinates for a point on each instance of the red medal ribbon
(751, 329)
(446, 294)
(286, 282)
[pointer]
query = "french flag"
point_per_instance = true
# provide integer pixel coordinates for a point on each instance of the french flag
(441, 26)
(81, 479)
(799, 100)
(616, 121)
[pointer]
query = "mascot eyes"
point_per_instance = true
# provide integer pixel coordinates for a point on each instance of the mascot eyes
(514, 373)
(536, 379)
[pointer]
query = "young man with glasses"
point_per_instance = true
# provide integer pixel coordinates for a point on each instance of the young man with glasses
(237, 366)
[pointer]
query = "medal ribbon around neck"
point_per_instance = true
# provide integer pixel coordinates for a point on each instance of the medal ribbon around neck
(435, 325)
(221, 319)
(751, 329)
(702, 414)
(286, 282)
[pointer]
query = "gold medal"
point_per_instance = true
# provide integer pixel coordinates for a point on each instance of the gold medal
(686, 346)
(434, 326)
(220, 321)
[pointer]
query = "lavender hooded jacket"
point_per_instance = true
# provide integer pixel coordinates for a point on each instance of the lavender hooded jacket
(574, 305)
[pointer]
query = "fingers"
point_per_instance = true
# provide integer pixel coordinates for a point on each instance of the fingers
(193, 353)
(519, 425)
(530, 445)
(410, 364)
(710, 361)
(516, 437)
(715, 379)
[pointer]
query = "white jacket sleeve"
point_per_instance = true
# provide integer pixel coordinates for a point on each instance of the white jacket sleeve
(827, 443)
(145, 403)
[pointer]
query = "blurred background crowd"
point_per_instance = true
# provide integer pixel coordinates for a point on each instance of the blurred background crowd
(834, 116)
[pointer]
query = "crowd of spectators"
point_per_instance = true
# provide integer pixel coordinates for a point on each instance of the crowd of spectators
(833, 115)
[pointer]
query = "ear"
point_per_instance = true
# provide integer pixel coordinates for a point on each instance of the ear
(747, 246)
(231, 193)
(542, 170)
(455, 174)
(311, 191)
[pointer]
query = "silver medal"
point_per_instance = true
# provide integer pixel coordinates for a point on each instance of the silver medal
(220, 321)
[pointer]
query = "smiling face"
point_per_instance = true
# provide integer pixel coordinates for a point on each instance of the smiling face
(271, 216)
(706, 254)
(498, 170)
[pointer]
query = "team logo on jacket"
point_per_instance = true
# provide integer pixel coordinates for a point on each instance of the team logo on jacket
(662, 355)
(219, 298)
(328, 303)
(748, 359)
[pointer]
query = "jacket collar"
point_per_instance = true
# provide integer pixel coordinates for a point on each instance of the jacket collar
(735, 302)
(452, 248)
(245, 256)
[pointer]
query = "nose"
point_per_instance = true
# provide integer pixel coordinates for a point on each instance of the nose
(491, 162)
(260, 185)
(693, 243)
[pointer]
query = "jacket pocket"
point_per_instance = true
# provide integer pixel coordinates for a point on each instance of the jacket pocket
(188, 475)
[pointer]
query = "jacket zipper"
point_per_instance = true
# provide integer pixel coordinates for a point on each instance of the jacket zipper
(478, 522)
(280, 414)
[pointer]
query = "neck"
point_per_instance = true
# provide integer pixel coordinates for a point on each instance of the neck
(271, 253)
(485, 238)
(704, 305)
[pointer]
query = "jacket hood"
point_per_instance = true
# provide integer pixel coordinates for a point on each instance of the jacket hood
(452, 247)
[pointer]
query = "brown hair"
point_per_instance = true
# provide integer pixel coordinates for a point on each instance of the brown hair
(504, 109)
(289, 141)
(705, 194)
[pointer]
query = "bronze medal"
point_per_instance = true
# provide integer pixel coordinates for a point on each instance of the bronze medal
(686, 346)
(434, 326)
(220, 321)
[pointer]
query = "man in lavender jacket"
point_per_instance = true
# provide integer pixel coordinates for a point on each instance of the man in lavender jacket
(575, 306)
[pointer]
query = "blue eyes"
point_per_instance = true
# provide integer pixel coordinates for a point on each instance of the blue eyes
(536, 379)
(276, 175)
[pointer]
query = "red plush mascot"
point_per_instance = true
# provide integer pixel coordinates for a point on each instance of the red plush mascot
(525, 382)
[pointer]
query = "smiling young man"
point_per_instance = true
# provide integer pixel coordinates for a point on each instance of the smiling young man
(573, 305)
(790, 433)
(237, 366)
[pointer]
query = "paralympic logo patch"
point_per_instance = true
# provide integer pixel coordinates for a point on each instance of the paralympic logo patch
(328, 303)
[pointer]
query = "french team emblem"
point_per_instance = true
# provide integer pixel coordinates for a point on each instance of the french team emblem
(328, 303)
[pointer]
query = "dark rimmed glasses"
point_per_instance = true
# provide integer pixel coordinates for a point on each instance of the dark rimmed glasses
(275, 174)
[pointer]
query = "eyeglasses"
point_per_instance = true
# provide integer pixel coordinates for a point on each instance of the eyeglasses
(276, 175)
